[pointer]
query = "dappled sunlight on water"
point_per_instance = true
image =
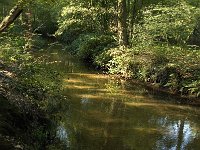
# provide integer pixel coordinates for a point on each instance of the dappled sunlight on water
(107, 113)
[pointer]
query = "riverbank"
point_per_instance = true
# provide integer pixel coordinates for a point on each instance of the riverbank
(171, 68)
(8, 83)
(191, 100)
(27, 87)
(19, 116)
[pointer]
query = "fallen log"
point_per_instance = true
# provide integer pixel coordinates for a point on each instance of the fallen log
(13, 15)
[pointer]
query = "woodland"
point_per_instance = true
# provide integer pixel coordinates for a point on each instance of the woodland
(155, 42)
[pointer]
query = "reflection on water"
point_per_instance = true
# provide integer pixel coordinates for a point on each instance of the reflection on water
(106, 113)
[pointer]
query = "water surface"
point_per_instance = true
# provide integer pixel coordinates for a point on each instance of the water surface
(105, 113)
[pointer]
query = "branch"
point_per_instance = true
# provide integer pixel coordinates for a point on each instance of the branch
(8, 20)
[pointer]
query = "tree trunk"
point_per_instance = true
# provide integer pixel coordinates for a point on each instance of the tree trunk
(14, 13)
(136, 6)
(122, 23)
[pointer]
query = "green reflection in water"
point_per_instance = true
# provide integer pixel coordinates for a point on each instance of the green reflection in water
(112, 114)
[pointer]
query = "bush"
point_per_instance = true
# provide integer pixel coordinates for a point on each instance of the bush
(88, 46)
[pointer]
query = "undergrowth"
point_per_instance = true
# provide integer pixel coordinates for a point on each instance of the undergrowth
(32, 76)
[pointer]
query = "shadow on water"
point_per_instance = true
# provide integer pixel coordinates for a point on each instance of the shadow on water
(107, 113)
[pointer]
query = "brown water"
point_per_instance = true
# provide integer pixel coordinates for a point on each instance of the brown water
(104, 113)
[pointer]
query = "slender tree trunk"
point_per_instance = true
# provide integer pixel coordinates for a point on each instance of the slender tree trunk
(122, 23)
(28, 25)
(14, 13)
(132, 17)
(135, 7)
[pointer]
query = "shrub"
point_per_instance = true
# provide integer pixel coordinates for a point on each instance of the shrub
(88, 46)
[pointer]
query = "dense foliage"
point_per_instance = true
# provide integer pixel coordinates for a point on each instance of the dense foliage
(162, 46)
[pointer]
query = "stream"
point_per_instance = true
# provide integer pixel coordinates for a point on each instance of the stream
(102, 112)
(105, 113)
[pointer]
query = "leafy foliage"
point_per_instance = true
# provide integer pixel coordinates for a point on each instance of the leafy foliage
(88, 46)
(76, 19)
(172, 24)
(33, 78)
